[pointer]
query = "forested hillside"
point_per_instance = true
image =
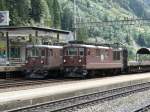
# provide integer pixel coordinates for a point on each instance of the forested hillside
(59, 14)
(33, 12)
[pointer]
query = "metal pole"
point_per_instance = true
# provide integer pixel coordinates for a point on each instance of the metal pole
(74, 18)
(8, 48)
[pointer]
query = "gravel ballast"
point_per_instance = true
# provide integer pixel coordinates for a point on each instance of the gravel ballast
(124, 104)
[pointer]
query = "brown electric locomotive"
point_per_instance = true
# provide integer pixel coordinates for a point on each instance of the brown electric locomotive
(81, 60)
(42, 60)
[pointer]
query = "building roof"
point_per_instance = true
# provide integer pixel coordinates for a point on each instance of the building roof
(143, 51)
(44, 46)
(11, 28)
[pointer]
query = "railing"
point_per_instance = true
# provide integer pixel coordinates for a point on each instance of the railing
(16, 61)
(12, 61)
(3, 61)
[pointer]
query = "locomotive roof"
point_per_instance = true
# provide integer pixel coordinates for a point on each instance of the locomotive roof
(89, 46)
(93, 46)
(44, 46)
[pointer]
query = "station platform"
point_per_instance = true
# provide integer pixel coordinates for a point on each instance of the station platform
(22, 98)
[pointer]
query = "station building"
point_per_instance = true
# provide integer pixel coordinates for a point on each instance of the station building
(13, 41)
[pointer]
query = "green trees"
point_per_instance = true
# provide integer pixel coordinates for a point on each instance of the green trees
(40, 10)
(24, 10)
(11, 5)
(56, 14)
(67, 19)
(2, 5)
(28, 12)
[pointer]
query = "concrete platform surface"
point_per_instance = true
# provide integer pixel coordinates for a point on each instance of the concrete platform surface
(15, 99)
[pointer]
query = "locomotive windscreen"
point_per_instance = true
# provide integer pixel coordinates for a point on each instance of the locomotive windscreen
(73, 51)
(33, 52)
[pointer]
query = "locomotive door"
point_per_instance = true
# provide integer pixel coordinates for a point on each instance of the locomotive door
(44, 56)
(49, 57)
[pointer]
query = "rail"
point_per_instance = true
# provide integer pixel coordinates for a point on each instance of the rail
(143, 109)
(20, 83)
(76, 102)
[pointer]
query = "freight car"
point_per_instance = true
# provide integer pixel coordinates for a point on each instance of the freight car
(42, 60)
(82, 60)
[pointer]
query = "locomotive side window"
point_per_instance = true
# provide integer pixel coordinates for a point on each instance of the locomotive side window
(116, 55)
(81, 51)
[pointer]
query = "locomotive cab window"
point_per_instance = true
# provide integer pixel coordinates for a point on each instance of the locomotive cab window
(43, 52)
(116, 55)
(72, 51)
(81, 51)
(33, 52)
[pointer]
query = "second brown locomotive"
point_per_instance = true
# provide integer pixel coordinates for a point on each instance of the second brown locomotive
(81, 60)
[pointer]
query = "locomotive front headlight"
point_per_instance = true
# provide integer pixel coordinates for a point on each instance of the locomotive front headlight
(64, 61)
(80, 60)
(26, 61)
(42, 61)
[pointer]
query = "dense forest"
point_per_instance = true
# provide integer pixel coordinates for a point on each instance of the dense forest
(59, 14)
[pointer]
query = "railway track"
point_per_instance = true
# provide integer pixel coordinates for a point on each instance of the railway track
(78, 102)
(20, 82)
(144, 109)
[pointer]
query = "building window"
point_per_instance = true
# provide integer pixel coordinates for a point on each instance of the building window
(15, 52)
(2, 54)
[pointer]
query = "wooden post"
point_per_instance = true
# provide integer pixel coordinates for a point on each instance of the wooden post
(36, 37)
(57, 37)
